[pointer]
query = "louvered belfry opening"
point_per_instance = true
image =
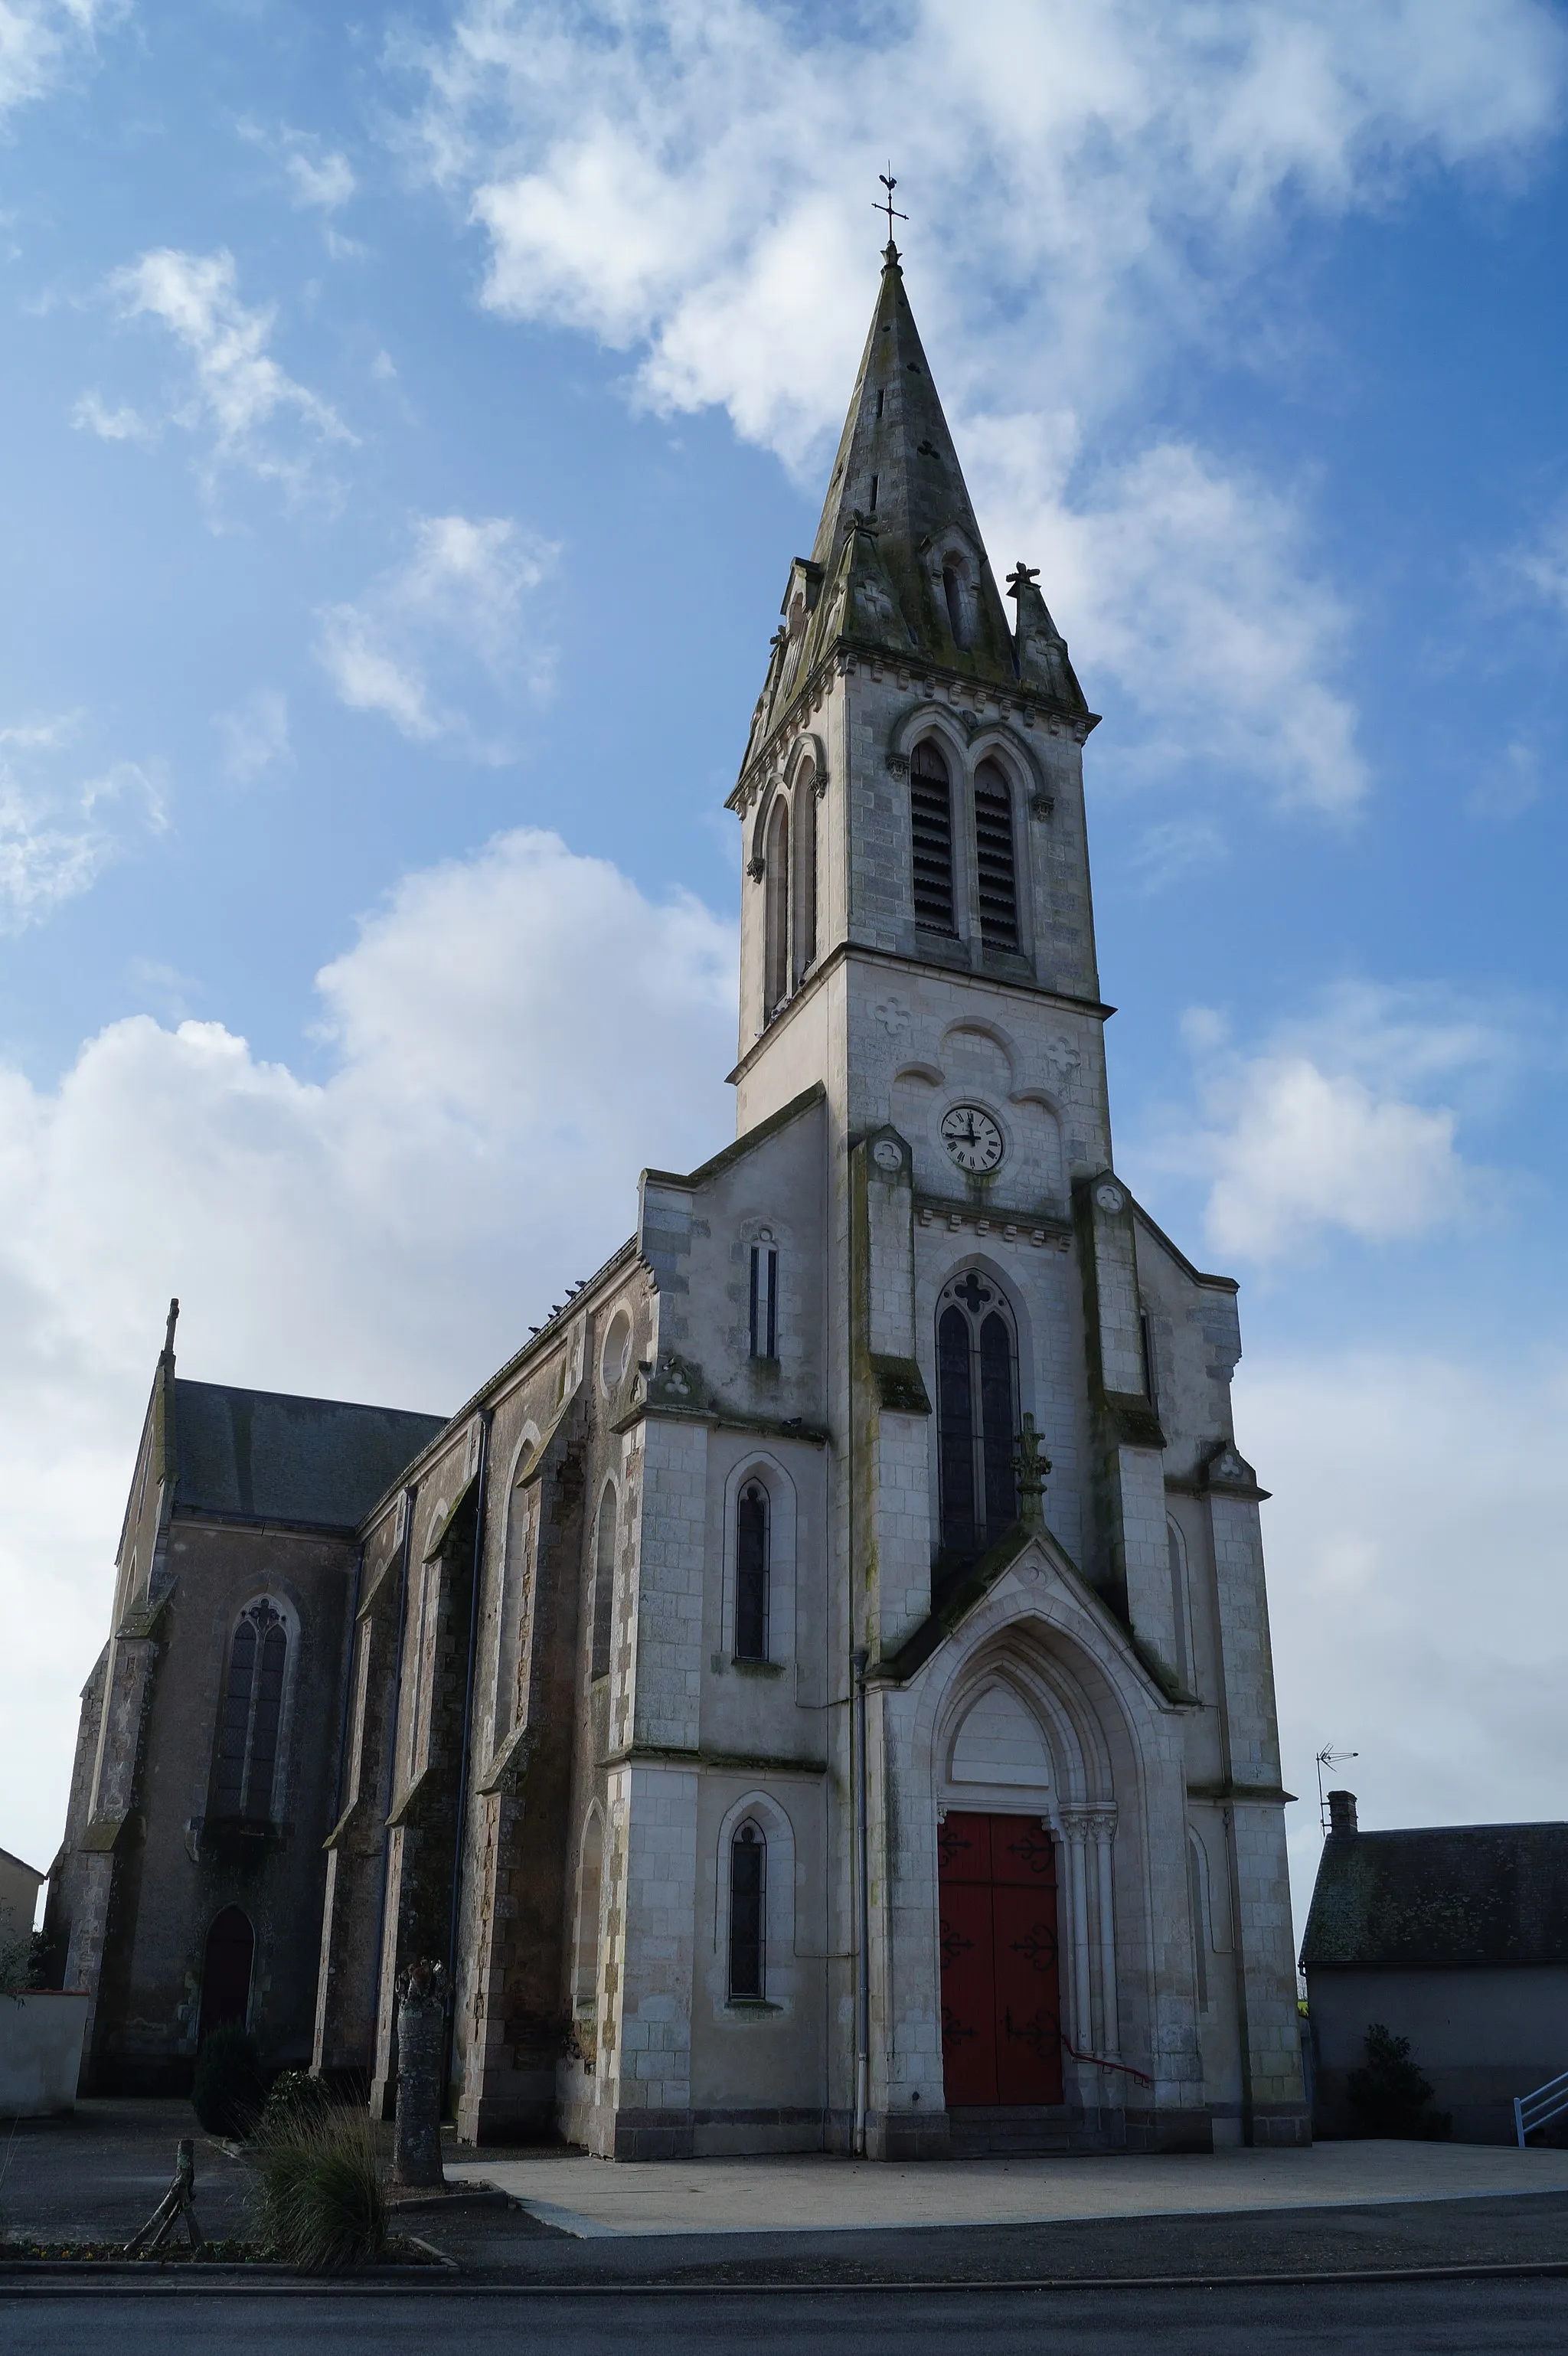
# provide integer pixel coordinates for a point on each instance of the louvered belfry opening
(995, 864)
(931, 812)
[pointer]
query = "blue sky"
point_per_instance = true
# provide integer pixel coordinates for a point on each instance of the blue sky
(406, 422)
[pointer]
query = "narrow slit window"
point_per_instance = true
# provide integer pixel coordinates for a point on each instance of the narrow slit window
(604, 1583)
(930, 817)
(748, 1893)
(776, 927)
(873, 505)
(751, 1573)
(994, 860)
(955, 591)
(880, 399)
(764, 1300)
(805, 872)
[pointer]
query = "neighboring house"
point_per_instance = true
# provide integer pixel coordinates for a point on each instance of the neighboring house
(1453, 1936)
(18, 1898)
(817, 1693)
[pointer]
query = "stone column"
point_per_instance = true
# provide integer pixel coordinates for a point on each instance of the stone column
(1103, 1825)
(1083, 2015)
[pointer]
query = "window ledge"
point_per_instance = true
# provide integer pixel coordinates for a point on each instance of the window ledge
(753, 2005)
(757, 1668)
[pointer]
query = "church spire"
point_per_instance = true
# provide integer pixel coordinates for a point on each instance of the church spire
(898, 565)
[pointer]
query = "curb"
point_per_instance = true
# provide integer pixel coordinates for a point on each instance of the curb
(59, 2281)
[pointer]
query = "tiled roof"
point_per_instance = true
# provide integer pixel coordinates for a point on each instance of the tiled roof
(1444, 1894)
(265, 1456)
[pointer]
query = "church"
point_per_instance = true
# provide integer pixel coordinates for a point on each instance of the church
(818, 1694)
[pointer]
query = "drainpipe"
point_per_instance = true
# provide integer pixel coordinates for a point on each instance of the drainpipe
(482, 1479)
(862, 1910)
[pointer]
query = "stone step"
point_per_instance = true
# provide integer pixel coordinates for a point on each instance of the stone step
(1003, 2131)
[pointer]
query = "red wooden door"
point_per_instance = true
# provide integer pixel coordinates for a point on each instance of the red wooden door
(1001, 2036)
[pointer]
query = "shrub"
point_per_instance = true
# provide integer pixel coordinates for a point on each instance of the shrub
(322, 2201)
(1390, 2094)
(226, 2095)
(293, 2095)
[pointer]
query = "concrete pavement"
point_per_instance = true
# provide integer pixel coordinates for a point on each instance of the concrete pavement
(594, 2199)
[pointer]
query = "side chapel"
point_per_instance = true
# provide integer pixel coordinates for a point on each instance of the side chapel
(817, 1694)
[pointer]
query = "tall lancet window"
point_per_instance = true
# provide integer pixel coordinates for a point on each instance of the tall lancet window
(748, 1898)
(245, 1768)
(751, 1573)
(994, 858)
(976, 1416)
(804, 870)
(776, 921)
(931, 824)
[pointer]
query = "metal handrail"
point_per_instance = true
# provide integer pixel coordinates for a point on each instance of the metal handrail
(1533, 2111)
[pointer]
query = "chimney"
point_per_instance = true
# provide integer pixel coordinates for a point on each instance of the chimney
(1342, 1811)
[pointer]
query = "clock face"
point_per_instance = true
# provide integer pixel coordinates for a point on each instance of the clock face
(971, 1138)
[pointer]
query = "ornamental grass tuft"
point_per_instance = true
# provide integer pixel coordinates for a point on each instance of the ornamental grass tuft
(322, 2205)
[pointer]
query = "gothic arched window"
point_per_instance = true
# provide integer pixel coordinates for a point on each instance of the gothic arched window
(805, 955)
(748, 1911)
(751, 1573)
(995, 864)
(775, 987)
(249, 1725)
(603, 1583)
(930, 826)
(976, 1415)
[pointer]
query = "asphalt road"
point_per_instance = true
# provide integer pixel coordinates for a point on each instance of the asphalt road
(1359, 2319)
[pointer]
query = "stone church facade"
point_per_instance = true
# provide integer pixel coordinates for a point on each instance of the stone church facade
(819, 1693)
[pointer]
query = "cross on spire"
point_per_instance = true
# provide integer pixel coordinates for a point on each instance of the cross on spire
(885, 204)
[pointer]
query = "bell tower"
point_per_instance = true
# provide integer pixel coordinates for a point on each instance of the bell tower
(911, 791)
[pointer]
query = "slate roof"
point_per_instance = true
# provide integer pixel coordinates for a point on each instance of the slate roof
(264, 1456)
(1445, 1894)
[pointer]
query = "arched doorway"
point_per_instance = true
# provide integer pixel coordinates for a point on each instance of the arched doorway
(226, 1973)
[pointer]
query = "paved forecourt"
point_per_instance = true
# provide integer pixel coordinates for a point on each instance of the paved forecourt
(815, 2193)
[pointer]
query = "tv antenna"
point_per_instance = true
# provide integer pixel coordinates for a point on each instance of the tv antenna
(1330, 1758)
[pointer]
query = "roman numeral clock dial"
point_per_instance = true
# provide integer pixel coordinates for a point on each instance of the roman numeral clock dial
(971, 1138)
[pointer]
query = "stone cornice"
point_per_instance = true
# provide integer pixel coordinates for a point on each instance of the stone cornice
(901, 962)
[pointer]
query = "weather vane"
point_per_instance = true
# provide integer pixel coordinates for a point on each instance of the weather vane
(885, 204)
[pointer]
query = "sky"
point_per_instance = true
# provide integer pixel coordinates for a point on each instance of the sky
(407, 418)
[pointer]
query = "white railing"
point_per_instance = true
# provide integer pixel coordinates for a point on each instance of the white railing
(1532, 2111)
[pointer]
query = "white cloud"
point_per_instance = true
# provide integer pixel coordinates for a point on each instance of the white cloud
(239, 397)
(1346, 1121)
(1104, 192)
(323, 180)
(92, 414)
(58, 833)
(459, 599)
(513, 1036)
(1191, 587)
(40, 40)
(1415, 1574)
(319, 178)
(255, 735)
